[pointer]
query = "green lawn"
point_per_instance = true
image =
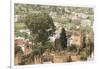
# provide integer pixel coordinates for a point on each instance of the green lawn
(19, 26)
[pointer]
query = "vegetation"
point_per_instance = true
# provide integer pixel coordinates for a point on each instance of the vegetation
(73, 48)
(40, 24)
(63, 38)
(19, 26)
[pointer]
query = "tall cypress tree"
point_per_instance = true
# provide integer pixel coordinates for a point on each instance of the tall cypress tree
(63, 38)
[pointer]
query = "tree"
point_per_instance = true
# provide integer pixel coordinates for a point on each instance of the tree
(84, 39)
(50, 46)
(63, 38)
(41, 26)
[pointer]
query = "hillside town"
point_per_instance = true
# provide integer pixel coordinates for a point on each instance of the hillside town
(70, 37)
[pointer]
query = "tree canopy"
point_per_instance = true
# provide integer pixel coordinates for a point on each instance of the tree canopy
(41, 26)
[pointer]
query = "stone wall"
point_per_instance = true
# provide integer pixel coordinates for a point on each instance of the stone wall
(52, 58)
